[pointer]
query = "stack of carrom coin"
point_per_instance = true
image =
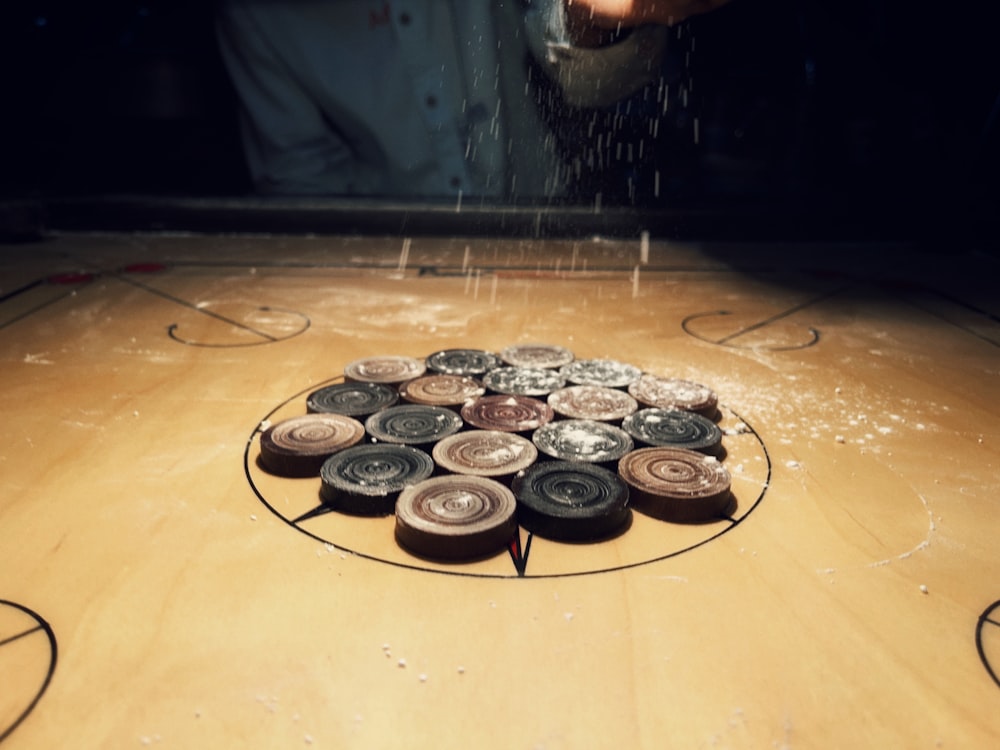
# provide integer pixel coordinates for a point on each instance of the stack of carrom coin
(298, 446)
(673, 428)
(472, 362)
(455, 517)
(485, 453)
(674, 393)
(387, 370)
(583, 440)
(547, 356)
(571, 501)
(450, 391)
(413, 424)
(607, 372)
(595, 402)
(507, 413)
(676, 484)
(523, 381)
(367, 479)
(358, 400)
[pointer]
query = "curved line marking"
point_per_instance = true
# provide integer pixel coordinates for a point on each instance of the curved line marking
(266, 338)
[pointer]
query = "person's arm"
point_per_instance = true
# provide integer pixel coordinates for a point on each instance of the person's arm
(597, 23)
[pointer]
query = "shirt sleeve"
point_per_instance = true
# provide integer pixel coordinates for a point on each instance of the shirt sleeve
(592, 77)
(289, 147)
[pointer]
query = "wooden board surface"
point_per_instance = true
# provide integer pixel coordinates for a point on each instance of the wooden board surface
(158, 589)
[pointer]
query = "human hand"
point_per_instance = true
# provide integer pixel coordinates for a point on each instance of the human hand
(611, 14)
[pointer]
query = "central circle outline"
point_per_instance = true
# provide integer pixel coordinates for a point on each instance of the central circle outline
(477, 574)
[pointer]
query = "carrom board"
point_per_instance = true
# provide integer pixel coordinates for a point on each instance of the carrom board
(158, 588)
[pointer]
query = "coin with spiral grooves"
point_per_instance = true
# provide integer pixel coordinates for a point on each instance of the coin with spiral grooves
(676, 484)
(472, 362)
(674, 393)
(413, 424)
(359, 400)
(606, 372)
(672, 428)
(389, 370)
(582, 440)
(571, 501)
(523, 381)
(367, 479)
(485, 453)
(455, 517)
(537, 355)
(507, 413)
(298, 446)
(442, 390)
(592, 402)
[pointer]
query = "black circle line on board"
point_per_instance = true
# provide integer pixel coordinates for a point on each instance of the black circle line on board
(725, 340)
(266, 338)
(728, 339)
(990, 617)
(44, 627)
(520, 563)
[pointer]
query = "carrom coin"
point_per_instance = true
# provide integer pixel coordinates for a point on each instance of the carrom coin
(298, 446)
(583, 440)
(592, 402)
(367, 479)
(442, 390)
(673, 428)
(507, 413)
(571, 501)
(607, 372)
(455, 517)
(359, 400)
(471, 362)
(537, 355)
(388, 370)
(674, 393)
(413, 424)
(523, 381)
(676, 484)
(485, 453)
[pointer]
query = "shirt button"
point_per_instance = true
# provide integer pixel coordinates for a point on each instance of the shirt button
(431, 101)
(455, 182)
(405, 19)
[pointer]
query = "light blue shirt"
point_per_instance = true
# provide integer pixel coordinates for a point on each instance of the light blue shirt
(428, 98)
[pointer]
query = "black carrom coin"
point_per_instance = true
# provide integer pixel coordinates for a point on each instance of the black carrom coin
(358, 400)
(413, 424)
(472, 362)
(570, 501)
(367, 479)
(673, 428)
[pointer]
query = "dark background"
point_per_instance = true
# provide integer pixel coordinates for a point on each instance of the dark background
(882, 106)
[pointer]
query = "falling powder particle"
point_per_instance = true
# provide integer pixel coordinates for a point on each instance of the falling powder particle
(792, 464)
(839, 438)
(923, 589)
(401, 663)
(423, 677)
